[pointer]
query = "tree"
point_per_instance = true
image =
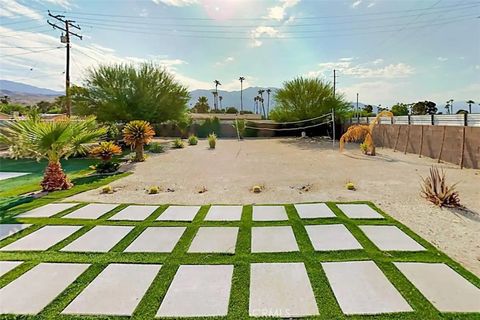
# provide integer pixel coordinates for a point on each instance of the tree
(358, 132)
(202, 105)
(424, 107)
(400, 109)
(10, 108)
(268, 102)
(241, 93)
(368, 108)
(449, 106)
(51, 140)
(137, 133)
(305, 98)
(470, 102)
(124, 92)
(220, 98)
(215, 95)
(232, 110)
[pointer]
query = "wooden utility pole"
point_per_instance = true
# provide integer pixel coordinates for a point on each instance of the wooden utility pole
(66, 39)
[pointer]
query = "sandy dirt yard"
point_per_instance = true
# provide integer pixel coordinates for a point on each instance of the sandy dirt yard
(283, 166)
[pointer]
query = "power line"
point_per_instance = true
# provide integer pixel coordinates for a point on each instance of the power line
(73, 13)
(30, 52)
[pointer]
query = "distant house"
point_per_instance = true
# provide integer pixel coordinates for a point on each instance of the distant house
(225, 116)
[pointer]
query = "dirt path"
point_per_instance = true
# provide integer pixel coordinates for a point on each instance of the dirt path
(283, 166)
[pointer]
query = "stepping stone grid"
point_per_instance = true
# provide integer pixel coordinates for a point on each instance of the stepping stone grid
(211, 279)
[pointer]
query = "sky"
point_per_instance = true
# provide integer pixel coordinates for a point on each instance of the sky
(387, 51)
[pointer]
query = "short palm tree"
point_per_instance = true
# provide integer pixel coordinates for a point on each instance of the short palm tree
(105, 150)
(53, 141)
(358, 132)
(137, 133)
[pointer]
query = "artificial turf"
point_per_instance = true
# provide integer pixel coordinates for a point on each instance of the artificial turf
(239, 298)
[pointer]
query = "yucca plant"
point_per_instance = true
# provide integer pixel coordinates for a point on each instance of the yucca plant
(212, 140)
(192, 140)
(136, 134)
(53, 141)
(363, 132)
(435, 189)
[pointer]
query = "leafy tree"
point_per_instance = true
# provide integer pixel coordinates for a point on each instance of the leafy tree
(51, 140)
(399, 109)
(305, 98)
(424, 107)
(138, 133)
(124, 92)
(231, 110)
(44, 106)
(368, 108)
(202, 105)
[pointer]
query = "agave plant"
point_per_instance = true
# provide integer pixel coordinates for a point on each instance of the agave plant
(51, 140)
(137, 133)
(436, 190)
(363, 132)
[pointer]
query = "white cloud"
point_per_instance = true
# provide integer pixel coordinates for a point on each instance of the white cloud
(278, 12)
(366, 70)
(356, 3)
(61, 3)
(371, 4)
(225, 61)
(377, 61)
(260, 31)
(143, 13)
(346, 59)
(13, 9)
(46, 68)
(442, 59)
(176, 3)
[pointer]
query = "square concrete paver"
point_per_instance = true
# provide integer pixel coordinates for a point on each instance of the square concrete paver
(91, 211)
(134, 212)
(273, 239)
(215, 239)
(6, 266)
(36, 288)
(224, 213)
(269, 213)
(329, 237)
(179, 213)
(47, 210)
(99, 239)
(359, 211)
(198, 291)
(443, 287)
(314, 210)
(281, 290)
(157, 239)
(6, 230)
(8, 175)
(42, 239)
(389, 238)
(360, 287)
(117, 290)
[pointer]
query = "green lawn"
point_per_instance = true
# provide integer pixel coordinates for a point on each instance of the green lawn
(148, 306)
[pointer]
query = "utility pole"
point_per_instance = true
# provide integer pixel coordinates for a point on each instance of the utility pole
(66, 39)
(358, 112)
(241, 93)
(334, 82)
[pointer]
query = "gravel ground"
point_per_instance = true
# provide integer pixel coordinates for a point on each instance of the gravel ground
(302, 170)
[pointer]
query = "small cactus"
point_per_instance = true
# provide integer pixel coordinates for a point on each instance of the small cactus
(257, 189)
(350, 186)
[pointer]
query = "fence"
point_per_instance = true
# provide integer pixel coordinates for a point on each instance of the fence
(469, 120)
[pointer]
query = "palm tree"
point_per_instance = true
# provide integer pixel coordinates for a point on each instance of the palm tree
(255, 99)
(268, 101)
(214, 100)
(241, 93)
(217, 83)
(260, 93)
(220, 98)
(137, 133)
(470, 102)
(449, 106)
(53, 141)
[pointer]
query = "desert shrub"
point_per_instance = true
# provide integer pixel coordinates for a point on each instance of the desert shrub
(364, 147)
(178, 144)
(435, 189)
(192, 140)
(212, 140)
(240, 126)
(350, 186)
(153, 190)
(107, 189)
(107, 167)
(114, 132)
(156, 147)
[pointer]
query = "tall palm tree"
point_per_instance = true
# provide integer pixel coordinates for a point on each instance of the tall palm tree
(217, 83)
(255, 99)
(470, 102)
(268, 101)
(220, 98)
(449, 106)
(241, 93)
(260, 93)
(214, 100)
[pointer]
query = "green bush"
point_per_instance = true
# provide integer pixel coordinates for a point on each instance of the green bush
(209, 126)
(192, 140)
(106, 167)
(156, 147)
(212, 140)
(178, 143)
